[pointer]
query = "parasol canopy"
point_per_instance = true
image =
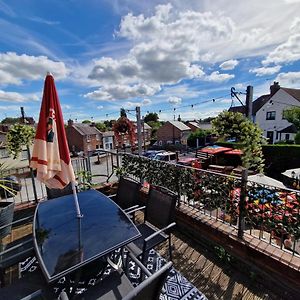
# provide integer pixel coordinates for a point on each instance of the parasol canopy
(266, 180)
(50, 155)
(215, 149)
(292, 173)
(234, 152)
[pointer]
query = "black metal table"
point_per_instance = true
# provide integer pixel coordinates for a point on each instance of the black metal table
(65, 243)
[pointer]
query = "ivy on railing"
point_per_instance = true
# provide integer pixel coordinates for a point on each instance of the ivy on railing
(266, 208)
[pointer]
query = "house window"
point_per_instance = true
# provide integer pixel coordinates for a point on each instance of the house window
(4, 153)
(271, 115)
(287, 136)
(283, 117)
(88, 138)
(169, 142)
(160, 143)
(177, 142)
(106, 139)
(24, 155)
(97, 137)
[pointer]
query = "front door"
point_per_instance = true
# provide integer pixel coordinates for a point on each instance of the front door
(270, 136)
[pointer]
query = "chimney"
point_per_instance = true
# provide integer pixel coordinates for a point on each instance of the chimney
(70, 122)
(93, 124)
(274, 88)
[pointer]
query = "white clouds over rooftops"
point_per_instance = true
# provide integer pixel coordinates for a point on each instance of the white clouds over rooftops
(289, 79)
(265, 70)
(229, 64)
(174, 100)
(14, 68)
(17, 97)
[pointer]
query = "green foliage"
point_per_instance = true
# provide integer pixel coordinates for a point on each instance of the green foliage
(293, 116)
(151, 117)
(109, 124)
(154, 125)
(101, 126)
(86, 122)
(9, 120)
(249, 135)
(223, 255)
(297, 138)
(17, 137)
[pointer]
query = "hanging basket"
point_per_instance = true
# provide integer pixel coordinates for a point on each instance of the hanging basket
(124, 129)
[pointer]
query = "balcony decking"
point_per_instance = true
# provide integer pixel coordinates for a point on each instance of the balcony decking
(214, 277)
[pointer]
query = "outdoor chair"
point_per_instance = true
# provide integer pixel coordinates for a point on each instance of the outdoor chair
(118, 286)
(127, 195)
(158, 222)
(55, 193)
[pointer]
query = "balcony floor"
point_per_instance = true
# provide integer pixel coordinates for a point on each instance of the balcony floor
(199, 263)
(216, 278)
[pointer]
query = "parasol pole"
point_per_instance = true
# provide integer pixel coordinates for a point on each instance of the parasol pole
(79, 214)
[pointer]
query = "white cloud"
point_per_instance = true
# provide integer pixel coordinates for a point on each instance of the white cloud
(173, 43)
(100, 107)
(289, 80)
(286, 52)
(174, 100)
(6, 9)
(146, 102)
(118, 92)
(219, 77)
(265, 70)
(229, 64)
(17, 97)
(14, 68)
(65, 106)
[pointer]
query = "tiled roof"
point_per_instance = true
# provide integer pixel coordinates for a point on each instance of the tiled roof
(256, 106)
(86, 129)
(195, 124)
(290, 129)
(293, 92)
(181, 126)
(107, 133)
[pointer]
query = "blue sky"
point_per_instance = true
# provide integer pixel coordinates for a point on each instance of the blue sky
(169, 57)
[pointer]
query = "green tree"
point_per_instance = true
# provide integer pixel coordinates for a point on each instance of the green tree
(86, 122)
(17, 137)
(109, 124)
(151, 117)
(154, 125)
(101, 126)
(249, 135)
(293, 116)
(197, 134)
(9, 120)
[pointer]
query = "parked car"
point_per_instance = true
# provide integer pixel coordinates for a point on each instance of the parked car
(12, 183)
(152, 153)
(190, 162)
(166, 156)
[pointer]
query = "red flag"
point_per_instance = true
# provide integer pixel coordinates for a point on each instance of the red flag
(50, 154)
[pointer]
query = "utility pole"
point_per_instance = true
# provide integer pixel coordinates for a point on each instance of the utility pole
(139, 129)
(249, 99)
(29, 157)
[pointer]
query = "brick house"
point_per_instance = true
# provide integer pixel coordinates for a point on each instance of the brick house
(173, 132)
(83, 137)
(193, 125)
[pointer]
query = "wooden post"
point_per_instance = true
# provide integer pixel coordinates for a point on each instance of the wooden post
(139, 129)
(242, 203)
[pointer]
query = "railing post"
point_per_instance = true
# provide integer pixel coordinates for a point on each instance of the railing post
(242, 203)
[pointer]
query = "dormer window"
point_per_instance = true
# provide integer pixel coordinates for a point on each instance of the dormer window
(271, 115)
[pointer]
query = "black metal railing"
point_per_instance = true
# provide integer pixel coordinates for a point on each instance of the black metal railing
(263, 211)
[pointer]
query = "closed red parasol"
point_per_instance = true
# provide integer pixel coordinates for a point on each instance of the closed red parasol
(50, 154)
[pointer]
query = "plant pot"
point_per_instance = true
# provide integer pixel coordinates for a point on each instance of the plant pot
(6, 217)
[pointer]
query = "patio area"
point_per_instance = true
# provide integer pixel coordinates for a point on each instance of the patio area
(206, 248)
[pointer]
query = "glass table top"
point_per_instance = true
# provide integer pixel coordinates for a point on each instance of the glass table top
(64, 242)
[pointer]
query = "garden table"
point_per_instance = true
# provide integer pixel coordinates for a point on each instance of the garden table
(64, 243)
